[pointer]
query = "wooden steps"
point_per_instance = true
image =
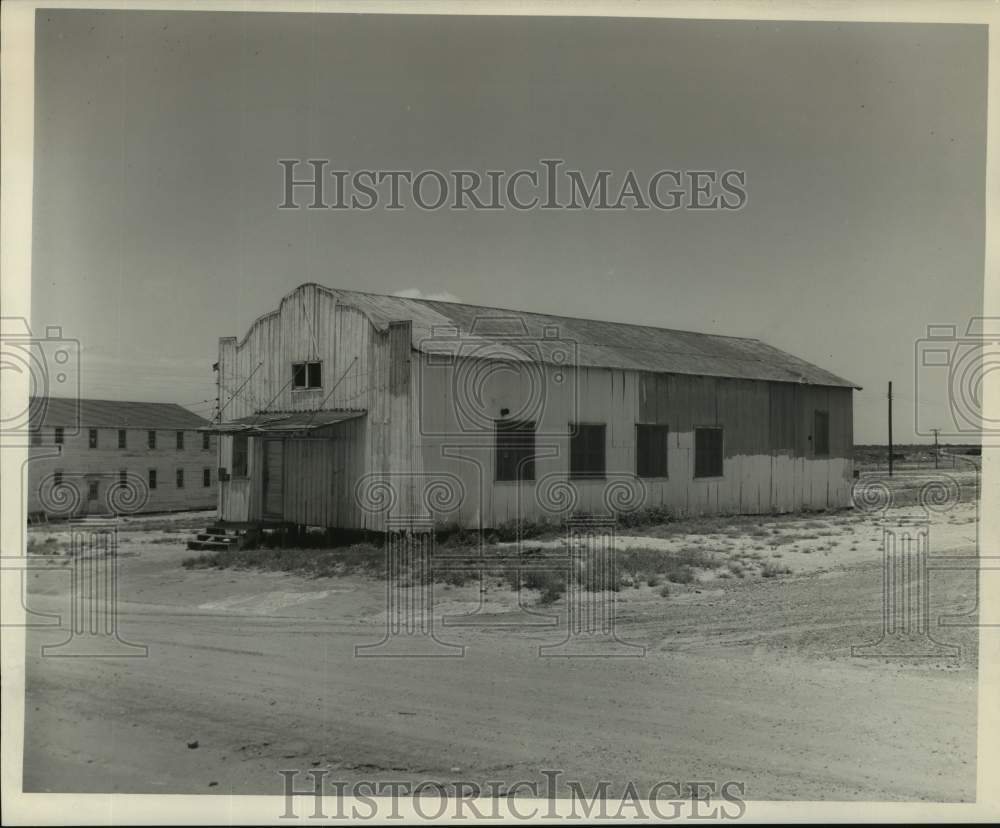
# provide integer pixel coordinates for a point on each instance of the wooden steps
(217, 538)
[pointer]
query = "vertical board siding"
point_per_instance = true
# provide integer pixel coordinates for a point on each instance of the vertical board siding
(423, 424)
(364, 368)
(769, 464)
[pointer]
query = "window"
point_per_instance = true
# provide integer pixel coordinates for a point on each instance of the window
(180, 440)
(58, 439)
(206, 441)
(651, 450)
(36, 438)
(206, 478)
(586, 450)
(306, 375)
(708, 452)
(122, 477)
(151, 439)
(122, 438)
(180, 478)
(821, 434)
(152, 478)
(239, 455)
(515, 450)
(92, 490)
(92, 438)
(57, 478)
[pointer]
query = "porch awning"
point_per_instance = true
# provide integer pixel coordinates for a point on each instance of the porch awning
(280, 422)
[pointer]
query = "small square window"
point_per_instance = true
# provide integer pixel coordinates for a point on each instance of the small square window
(708, 452)
(122, 438)
(180, 440)
(180, 478)
(206, 441)
(307, 375)
(92, 490)
(58, 436)
(92, 438)
(151, 439)
(206, 478)
(152, 478)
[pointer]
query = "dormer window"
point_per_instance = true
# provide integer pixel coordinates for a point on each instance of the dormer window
(307, 375)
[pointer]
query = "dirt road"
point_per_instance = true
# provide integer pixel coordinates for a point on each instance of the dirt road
(749, 681)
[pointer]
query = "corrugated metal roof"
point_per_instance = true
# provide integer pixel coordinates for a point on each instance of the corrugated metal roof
(279, 421)
(57, 411)
(441, 327)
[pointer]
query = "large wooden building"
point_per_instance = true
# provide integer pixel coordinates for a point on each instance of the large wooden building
(107, 456)
(348, 409)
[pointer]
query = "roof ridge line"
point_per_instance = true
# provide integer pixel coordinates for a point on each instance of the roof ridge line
(521, 311)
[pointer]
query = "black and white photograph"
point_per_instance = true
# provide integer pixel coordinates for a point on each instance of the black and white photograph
(499, 413)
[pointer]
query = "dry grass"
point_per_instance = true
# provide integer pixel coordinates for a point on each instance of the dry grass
(48, 545)
(319, 563)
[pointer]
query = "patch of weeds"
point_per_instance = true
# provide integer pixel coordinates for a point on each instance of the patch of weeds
(458, 577)
(664, 591)
(684, 574)
(653, 516)
(515, 530)
(784, 540)
(674, 565)
(550, 584)
(458, 538)
(47, 546)
(362, 557)
(771, 570)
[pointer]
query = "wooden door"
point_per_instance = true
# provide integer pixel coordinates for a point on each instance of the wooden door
(273, 479)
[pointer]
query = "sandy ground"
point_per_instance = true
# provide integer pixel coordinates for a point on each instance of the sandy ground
(743, 679)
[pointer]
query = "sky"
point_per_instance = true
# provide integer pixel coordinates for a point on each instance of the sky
(156, 227)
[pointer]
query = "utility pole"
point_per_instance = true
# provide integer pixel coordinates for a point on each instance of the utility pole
(935, 430)
(890, 428)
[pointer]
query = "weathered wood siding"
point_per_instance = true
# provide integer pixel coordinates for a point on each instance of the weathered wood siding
(427, 431)
(769, 462)
(80, 465)
(363, 368)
